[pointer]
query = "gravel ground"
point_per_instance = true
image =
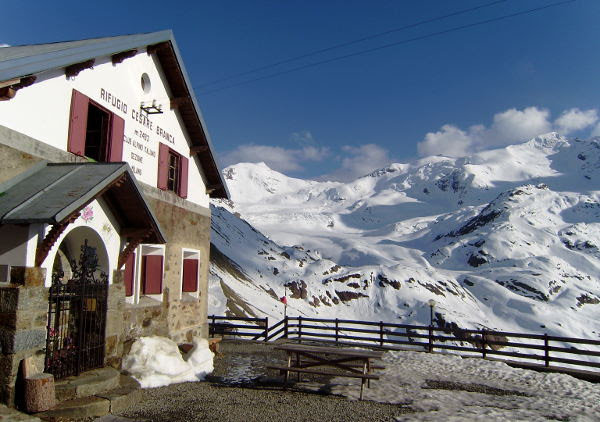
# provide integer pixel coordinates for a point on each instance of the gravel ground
(241, 389)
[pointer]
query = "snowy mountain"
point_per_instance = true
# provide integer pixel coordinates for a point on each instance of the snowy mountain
(504, 239)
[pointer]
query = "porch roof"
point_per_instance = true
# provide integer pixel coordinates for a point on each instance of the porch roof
(52, 192)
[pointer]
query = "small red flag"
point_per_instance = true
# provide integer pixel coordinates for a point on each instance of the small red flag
(283, 300)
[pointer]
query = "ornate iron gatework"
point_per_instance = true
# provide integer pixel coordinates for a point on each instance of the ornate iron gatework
(77, 318)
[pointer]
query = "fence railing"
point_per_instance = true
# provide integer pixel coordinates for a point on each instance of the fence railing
(238, 327)
(541, 348)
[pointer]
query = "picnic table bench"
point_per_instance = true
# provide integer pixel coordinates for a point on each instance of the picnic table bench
(351, 363)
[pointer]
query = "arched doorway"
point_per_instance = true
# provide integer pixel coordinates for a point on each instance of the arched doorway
(69, 250)
(78, 296)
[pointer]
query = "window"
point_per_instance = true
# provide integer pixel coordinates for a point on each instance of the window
(94, 132)
(152, 270)
(173, 174)
(172, 171)
(152, 266)
(144, 273)
(146, 84)
(189, 277)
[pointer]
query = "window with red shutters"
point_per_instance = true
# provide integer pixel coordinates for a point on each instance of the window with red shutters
(129, 274)
(94, 132)
(183, 178)
(117, 133)
(172, 171)
(190, 275)
(78, 123)
(152, 266)
(163, 166)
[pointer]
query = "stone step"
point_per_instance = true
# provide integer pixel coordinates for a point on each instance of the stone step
(102, 403)
(122, 397)
(87, 384)
(84, 407)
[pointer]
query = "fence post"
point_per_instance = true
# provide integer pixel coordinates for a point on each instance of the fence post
(266, 328)
(299, 329)
(430, 338)
(483, 342)
(285, 324)
(381, 333)
(337, 327)
(546, 350)
(211, 329)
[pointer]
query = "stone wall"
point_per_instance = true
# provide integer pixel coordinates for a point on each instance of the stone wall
(178, 319)
(147, 318)
(23, 316)
(187, 319)
(115, 333)
(184, 229)
(19, 152)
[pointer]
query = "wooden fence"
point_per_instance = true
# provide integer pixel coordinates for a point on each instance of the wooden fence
(540, 348)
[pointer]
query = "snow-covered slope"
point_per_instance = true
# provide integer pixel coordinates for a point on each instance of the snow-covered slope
(505, 238)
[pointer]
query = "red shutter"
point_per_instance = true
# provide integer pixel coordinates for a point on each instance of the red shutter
(117, 131)
(152, 265)
(190, 275)
(183, 178)
(163, 166)
(129, 273)
(78, 123)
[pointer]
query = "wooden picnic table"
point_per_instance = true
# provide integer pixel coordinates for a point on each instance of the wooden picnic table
(353, 363)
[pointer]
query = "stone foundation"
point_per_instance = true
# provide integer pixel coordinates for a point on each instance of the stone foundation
(23, 319)
(23, 326)
(115, 335)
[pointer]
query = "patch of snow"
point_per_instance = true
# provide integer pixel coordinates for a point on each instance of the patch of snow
(156, 361)
(450, 388)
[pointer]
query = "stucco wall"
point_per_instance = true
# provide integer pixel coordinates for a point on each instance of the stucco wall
(42, 112)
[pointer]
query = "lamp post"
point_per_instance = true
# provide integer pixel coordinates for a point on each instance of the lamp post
(431, 304)
(284, 301)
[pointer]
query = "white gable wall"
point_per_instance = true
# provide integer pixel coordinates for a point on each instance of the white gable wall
(42, 112)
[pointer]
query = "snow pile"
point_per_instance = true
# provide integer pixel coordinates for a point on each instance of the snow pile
(445, 387)
(156, 361)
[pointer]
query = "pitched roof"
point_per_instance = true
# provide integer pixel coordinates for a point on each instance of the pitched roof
(51, 192)
(28, 60)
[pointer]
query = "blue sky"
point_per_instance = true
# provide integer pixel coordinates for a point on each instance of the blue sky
(452, 94)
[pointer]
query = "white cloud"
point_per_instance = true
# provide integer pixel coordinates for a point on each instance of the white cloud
(596, 130)
(354, 161)
(574, 119)
(514, 125)
(277, 158)
(508, 127)
(449, 140)
(359, 161)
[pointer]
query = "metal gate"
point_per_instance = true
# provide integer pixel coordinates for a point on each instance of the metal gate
(77, 318)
